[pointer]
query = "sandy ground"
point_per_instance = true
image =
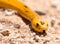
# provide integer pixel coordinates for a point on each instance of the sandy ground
(16, 30)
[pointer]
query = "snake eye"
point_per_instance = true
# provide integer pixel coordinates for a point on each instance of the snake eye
(37, 25)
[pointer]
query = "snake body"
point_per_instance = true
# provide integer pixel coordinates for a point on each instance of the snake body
(37, 23)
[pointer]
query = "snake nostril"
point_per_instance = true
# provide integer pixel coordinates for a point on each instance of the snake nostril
(47, 24)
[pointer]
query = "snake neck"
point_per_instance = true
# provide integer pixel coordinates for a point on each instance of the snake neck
(22, 9)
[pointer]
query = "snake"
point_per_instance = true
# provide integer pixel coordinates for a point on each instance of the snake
(37, 23)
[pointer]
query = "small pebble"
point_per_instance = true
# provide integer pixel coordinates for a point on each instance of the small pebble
(33, 34)
(9, 12)
(22, 36)
(59, 23)
(5, 33)
(1, 26)
(45, 41)
(56, 3)
(17, 25)
(40, 13)
(14, 35)
(31, 40)
(37, 37)
(52, 23)
(2, 9)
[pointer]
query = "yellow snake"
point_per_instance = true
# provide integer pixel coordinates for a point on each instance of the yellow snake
(37, 23)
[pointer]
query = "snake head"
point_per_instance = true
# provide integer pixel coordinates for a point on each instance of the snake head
(39, 25)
